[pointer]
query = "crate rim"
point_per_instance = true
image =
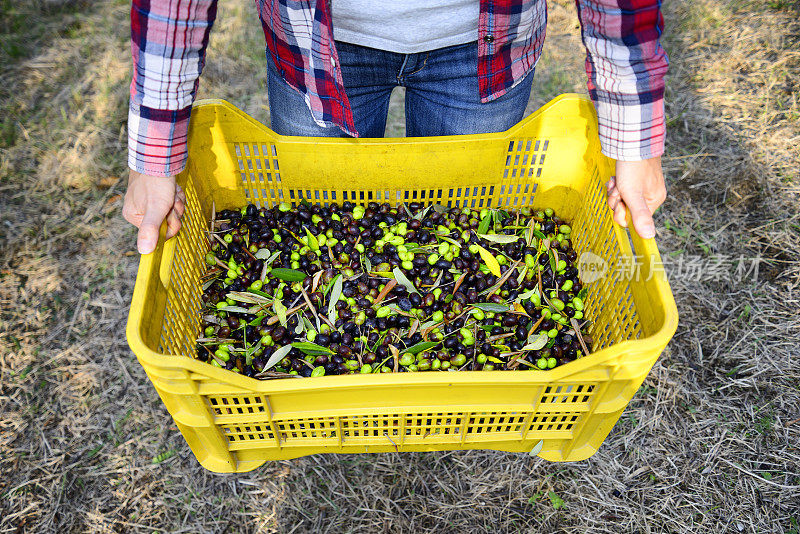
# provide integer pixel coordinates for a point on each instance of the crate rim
(150, 262)
(558, 101)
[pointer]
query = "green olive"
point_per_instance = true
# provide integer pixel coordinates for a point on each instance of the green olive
(406, 359)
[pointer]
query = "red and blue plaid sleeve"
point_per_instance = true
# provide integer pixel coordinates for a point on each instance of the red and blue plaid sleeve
(168, 44)
(626, 66)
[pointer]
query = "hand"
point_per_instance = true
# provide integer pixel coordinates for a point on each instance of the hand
(639, 186)
(148, 201)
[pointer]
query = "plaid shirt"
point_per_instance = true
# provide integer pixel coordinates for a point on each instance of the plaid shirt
(625, 65)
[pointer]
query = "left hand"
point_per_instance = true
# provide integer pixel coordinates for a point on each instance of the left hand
(639, 186)
(149, 201)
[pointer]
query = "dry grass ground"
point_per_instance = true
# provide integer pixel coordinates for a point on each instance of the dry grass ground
(709, 444)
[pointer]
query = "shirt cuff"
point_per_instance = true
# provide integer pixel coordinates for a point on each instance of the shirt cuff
(157, 140)
(631, 126)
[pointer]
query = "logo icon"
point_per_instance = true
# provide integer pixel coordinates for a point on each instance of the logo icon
(591, 267)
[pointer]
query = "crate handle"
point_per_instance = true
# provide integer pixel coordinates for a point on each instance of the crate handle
(167, 254)
(652, 265)
(646, 248)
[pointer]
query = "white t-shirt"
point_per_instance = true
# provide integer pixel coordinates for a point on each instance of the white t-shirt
(405, 27)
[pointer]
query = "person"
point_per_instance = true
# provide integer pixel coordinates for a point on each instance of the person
(467, 66)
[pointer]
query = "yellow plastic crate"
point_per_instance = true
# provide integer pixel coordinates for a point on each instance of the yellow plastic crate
(551, 159)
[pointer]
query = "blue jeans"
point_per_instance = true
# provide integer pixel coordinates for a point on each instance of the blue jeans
(441, 94)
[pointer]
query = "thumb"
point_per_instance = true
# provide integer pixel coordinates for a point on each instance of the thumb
(642, 218)
(149, 229)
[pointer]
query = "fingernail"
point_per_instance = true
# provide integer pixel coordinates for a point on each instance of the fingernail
(146, 247)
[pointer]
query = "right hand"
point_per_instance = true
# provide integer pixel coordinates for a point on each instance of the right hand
(148, 201)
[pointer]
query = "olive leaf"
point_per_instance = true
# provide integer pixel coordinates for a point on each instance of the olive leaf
(276, 357)
(552, 260)
(248, 298)
(483, 227)
(249, 353)
(438, 281)
(329, 285)
(528, 294)
(313, 244)
(538, 234)
(311, 348)
(420, 347)
(336, 292)
(537, 342)
(280, 310)
(209, 283)
(499, 238)
(288, 275)
(211, 319)
(257, 308)
(583, 292)
(522, 272)
(257, 321)
(529, 232)
(315, 280)
(235, 309)
(403, 280)
(450, 240)
(421, 214)
(264, 254)
(492, 307)
(427, 324)
(489, 260)
(438, 208)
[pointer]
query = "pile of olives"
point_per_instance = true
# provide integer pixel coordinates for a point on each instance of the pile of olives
(311, 290)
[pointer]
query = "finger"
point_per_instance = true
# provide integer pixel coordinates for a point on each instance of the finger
(642, 218)
(611, 184)
(148, 230)
(173, 224)
(614, 198)
(619, 215)
(179, 194)
(179, 207)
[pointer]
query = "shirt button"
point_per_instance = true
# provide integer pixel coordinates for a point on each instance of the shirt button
(488, 38)
(333, 63)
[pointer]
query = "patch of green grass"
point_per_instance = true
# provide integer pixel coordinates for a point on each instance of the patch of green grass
(23, 25)
(92, 453)
(646, 390)
(555, 500)
(744, 316)
(688, 407)
(164, 456)
(780, 5)
(764, 425)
